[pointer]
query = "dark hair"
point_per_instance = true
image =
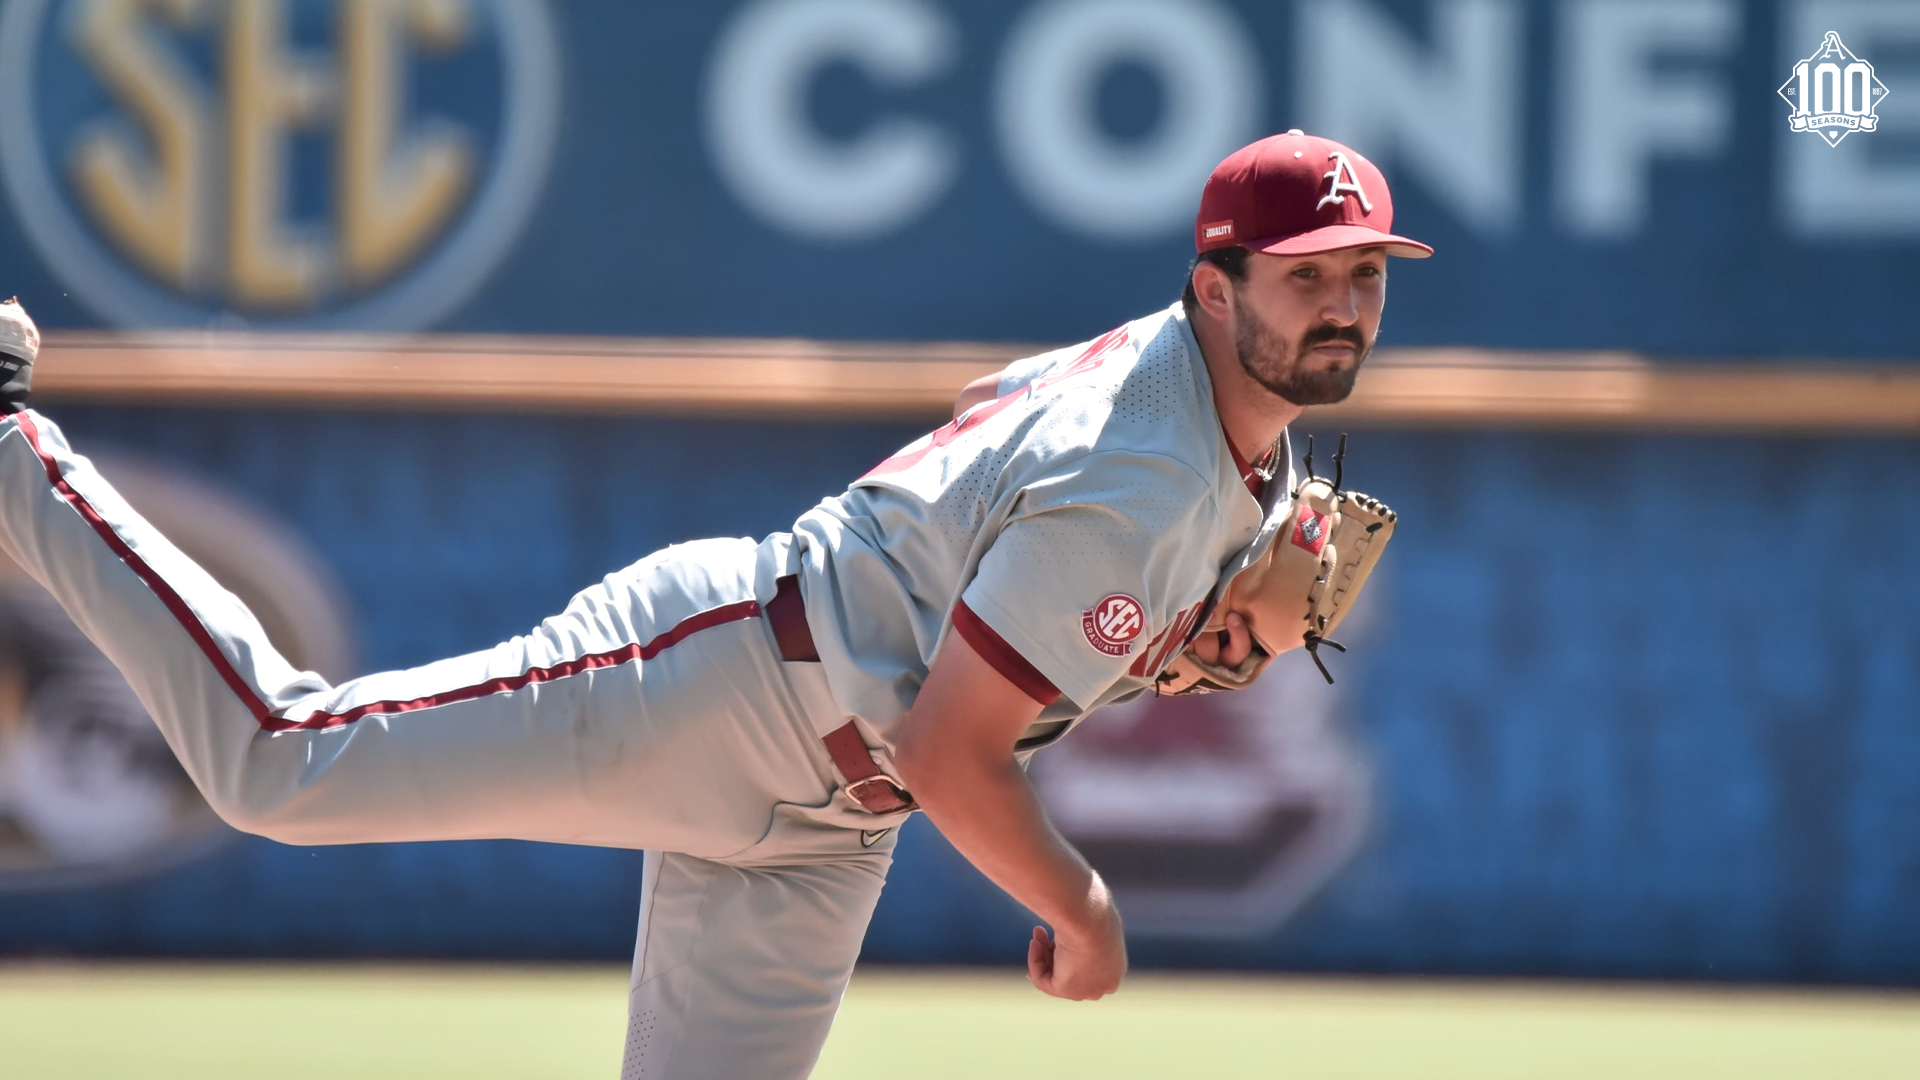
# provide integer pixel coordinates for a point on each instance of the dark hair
(1233, 260)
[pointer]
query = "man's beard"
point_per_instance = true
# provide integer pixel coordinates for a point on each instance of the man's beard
(1263, 356)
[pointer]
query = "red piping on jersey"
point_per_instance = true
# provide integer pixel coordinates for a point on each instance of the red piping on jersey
(745, 609)
(1005, 658)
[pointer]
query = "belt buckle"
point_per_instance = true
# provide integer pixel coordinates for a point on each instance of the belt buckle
(901, 797)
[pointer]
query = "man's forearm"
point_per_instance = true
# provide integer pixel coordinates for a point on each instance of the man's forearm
(955, 752)
(989, 812)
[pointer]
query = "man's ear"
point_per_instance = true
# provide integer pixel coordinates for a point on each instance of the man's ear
(1214, 290)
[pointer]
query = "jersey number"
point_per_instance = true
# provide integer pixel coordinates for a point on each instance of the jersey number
(1169, 641)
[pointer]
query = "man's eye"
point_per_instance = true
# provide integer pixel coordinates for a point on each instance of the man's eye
(1368, 270)
(1306, 271)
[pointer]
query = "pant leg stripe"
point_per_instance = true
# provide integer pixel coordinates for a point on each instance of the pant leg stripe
(174, 604)
(263, 715)
(744, 609)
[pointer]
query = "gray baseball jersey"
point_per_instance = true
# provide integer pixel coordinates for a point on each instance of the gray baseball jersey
(1073, 531)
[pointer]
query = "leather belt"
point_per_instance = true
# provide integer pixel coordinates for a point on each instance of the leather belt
(867, 784)
(787, 614)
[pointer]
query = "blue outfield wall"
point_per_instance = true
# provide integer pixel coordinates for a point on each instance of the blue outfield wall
(1634, 706)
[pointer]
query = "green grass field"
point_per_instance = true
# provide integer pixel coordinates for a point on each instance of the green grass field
(374, 1023)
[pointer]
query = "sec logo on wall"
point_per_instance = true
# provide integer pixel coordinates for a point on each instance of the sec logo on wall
(284, 163)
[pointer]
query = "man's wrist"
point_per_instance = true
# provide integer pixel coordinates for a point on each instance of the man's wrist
(1089, 914)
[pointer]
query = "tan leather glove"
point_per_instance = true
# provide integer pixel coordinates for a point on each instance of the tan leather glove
(1297, 593)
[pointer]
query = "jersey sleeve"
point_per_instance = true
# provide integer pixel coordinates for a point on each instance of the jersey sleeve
(1086, 572)
(1021, 373)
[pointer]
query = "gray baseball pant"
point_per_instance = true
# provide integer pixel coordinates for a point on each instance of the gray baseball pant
(654, 712)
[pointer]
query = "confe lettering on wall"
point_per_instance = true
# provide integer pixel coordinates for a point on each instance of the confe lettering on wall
(761, 141)
(876, 184)
(1636, 84)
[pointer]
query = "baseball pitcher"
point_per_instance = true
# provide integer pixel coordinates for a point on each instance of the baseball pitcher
(1112, 518)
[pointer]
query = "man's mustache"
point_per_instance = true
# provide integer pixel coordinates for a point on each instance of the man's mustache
(1326, 333)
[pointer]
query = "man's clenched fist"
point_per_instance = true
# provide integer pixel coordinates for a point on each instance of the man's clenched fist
(1083, 963)
(19, 344)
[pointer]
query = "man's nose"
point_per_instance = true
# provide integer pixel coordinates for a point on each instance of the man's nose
(1341, 305)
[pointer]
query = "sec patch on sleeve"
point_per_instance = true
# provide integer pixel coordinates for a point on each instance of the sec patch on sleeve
(1112, 624)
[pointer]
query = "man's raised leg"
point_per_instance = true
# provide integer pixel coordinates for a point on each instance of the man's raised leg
(604, 725)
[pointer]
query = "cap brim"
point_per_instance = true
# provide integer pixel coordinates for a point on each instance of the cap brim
(1340, 238)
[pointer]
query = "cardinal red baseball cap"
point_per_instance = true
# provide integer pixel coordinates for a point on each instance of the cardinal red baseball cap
(1298, 194)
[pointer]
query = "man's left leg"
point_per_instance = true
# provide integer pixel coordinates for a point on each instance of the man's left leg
(740, 965)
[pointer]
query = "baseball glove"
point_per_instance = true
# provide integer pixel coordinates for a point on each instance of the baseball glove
(1298, 591)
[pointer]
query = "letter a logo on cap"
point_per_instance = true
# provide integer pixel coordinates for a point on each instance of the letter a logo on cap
(1342, 167)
